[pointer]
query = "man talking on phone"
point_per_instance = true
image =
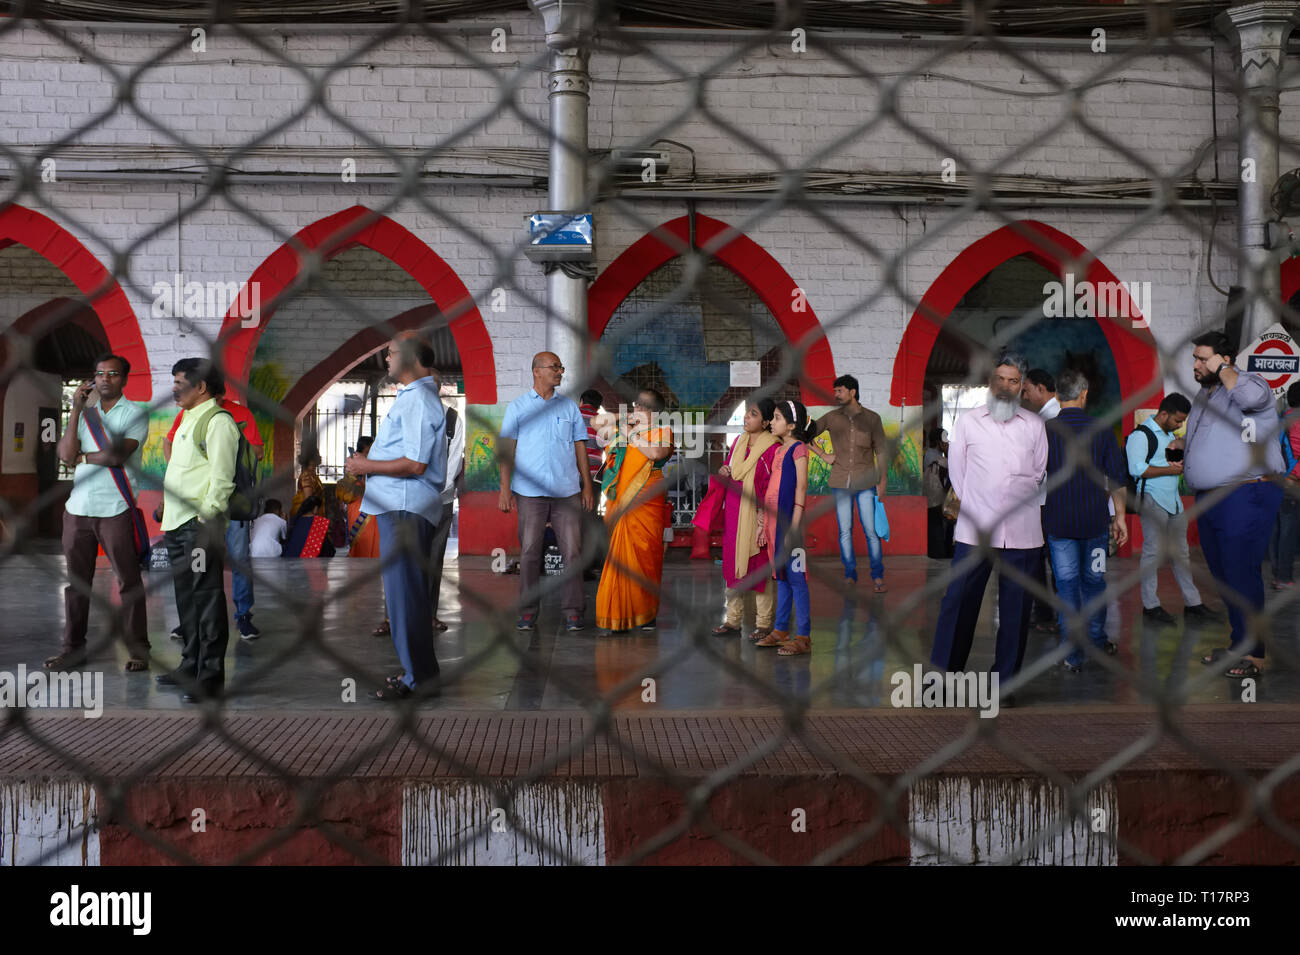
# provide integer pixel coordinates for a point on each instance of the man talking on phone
(1233, 462)
(97, 514)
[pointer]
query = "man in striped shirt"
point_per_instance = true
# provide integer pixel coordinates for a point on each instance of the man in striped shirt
(1076, 518)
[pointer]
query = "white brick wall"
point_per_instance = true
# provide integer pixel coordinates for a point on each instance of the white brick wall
(420, 93)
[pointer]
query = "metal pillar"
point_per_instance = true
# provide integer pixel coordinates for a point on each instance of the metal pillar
(1261, 31)
(569, 26)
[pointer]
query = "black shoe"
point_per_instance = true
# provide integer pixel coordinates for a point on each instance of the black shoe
(174, 678)
(392, 691)
(1200, 612)
(246, 629)
(177, 635)
(206, 690)
(1158, 614)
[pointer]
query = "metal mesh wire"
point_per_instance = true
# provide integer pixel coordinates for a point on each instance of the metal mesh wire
(979, 197)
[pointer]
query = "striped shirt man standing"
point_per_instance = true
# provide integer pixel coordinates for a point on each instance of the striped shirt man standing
(1076, 518)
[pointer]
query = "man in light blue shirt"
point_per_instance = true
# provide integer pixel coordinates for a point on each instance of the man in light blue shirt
(96, 514)
(1233, 454)
(542, 454)
(1164, 524)
(405, 469)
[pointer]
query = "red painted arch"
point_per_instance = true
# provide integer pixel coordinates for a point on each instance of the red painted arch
(307, 390)
(1290, 279)
(360, 226)
(62, 249)
(1134, 349)
(749, 260)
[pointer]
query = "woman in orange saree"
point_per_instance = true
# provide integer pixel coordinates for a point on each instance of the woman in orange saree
(636, 513)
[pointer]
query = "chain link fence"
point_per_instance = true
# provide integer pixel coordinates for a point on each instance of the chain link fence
(803, 170)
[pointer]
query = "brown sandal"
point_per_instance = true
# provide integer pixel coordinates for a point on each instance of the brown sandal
(796, 646)
(383, 630)
(774, 639)
(759, 633)
(880, 587)
(136, 666)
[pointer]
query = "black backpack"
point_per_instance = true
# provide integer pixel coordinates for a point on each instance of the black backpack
(1134, 489)
(243, 499)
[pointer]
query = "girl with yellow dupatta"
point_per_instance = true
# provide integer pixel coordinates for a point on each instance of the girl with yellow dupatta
(636, 513)
(745, 566)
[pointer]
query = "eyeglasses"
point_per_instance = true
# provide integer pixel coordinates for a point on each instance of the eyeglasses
(108, 374)
(555, 367)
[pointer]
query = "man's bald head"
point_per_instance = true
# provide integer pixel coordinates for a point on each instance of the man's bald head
(548, 372)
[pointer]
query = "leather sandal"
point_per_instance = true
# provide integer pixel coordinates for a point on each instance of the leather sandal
(774, 639)
(725, 630)
(383, 630)
(796, 646)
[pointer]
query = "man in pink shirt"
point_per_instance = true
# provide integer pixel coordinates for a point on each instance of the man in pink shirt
(997, 458)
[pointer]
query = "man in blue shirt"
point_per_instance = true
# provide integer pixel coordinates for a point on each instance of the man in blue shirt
(404, 472)
(1164, 523)
(542, 453)
(1232, 463)
(1076, 517)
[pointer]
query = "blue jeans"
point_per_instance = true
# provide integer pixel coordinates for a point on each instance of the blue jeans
(1079, 566)
(1234, 536)
(405, 541)
(867, 515)
(794, 589)
(241, 583)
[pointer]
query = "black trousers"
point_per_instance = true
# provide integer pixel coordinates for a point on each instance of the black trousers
(197, 552)
(439, 553)
(1043, 612)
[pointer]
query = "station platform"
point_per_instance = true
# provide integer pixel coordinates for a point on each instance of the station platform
(542, 749)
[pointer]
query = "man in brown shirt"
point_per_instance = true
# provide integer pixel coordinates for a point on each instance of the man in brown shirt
(859, 461)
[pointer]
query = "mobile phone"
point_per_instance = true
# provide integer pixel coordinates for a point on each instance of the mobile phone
(93, 398)
(1173, 454)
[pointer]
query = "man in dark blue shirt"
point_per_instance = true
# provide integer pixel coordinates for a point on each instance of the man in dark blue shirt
(1081, 455)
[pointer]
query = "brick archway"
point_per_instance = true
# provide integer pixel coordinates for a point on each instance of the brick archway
(1134, 349)
(62, 249)
(750, 261)
(360, 226)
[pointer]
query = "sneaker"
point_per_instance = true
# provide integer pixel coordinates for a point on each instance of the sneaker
(574, 623)
(246, 629)
(1158, 613)
(527, 622)
(177, 635)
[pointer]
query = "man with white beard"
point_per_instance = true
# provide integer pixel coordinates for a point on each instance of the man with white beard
(997, 458)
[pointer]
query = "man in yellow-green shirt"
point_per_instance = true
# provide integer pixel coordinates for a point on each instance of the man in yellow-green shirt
(197, 486)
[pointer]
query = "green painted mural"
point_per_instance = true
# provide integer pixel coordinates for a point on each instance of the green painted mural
(481, 473)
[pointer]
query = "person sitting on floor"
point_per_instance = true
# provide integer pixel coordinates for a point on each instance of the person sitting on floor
(308, 538)
(269, 532)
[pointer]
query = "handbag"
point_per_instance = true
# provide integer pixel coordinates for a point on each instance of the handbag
(138, 526)
(708, 516)
(882, 520)
(951, 505)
